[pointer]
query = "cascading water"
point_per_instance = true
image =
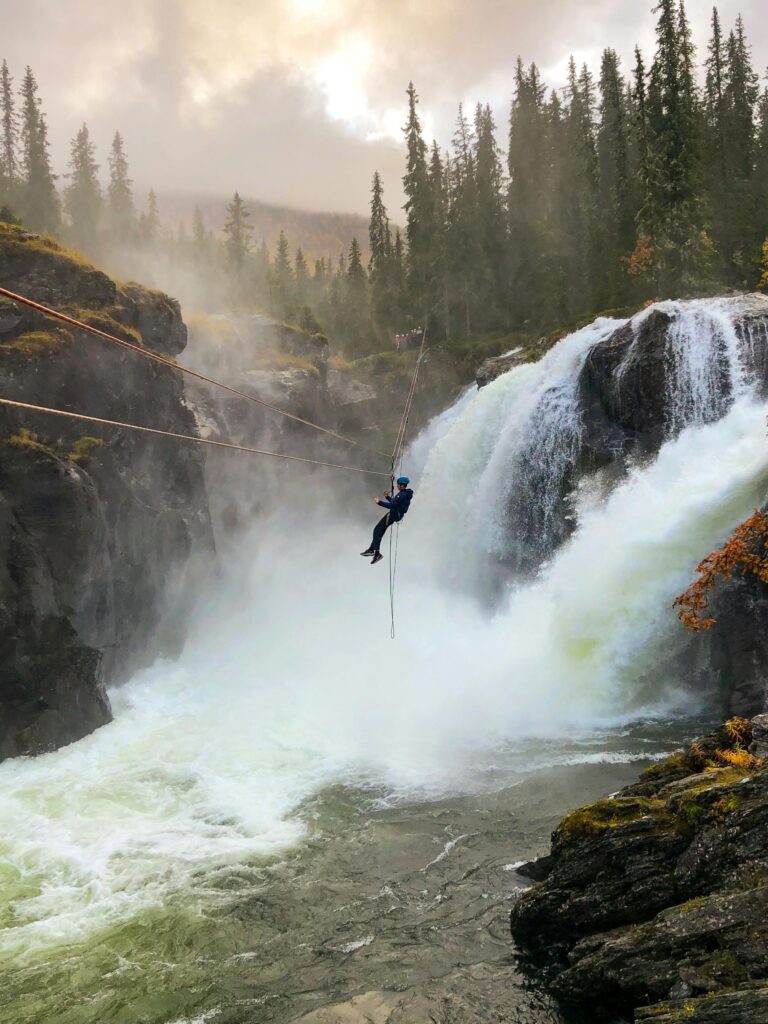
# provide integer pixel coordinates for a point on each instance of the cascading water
(290, 686)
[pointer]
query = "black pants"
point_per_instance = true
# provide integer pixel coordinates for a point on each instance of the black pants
(379, 530)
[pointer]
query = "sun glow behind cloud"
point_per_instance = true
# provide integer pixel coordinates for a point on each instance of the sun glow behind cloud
(248, 93)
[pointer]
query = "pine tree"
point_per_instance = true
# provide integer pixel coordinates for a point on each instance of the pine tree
(531, 163)
(122, 212)
(149, 222)
(440, 262)
(759, 191)
(418, 208)
(356, 322)
(579, 216)
(38, 200)
(491, 223)
(201, 240)
(281, 282)
(9, 127)
(675, 209)
(617, 200)
(380, 265)
(462, 228)
(237, 247)
(300, 278)
(82, 196)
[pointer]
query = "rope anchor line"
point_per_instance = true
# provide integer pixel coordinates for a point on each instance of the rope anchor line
(165, 361)
(182, 437)
(400, 449)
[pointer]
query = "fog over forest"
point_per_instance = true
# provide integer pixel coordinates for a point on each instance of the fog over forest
(297, 102)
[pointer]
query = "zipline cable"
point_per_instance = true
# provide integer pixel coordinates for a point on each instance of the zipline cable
(182, 437)
(165, 361)
(400, 449)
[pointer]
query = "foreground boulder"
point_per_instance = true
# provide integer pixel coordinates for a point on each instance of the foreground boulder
(658, 896)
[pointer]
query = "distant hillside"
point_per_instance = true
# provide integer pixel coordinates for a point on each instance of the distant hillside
(318, 234)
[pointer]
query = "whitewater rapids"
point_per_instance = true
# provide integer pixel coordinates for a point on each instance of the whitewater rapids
(290, 682)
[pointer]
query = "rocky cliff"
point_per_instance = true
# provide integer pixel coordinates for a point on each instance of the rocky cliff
(655, 900)
(98, 527)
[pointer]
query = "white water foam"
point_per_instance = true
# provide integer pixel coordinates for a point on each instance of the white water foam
(290, 681)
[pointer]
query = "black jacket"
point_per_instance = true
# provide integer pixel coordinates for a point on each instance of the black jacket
(398, 504)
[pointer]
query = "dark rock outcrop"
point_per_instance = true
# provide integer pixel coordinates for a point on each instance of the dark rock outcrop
(97, 525)
(631, 395)
(493, 367)
(661, 892)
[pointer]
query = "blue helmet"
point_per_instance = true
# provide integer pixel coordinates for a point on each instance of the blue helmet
(404, 480)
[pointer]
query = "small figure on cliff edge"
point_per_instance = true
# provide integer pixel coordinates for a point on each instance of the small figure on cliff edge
(397, 505)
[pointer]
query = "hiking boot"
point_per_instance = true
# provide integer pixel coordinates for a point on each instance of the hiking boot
(376, 558)
(370, 551)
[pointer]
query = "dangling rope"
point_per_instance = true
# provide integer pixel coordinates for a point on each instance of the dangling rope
(182, 437)
(398, 452)
(165, 361)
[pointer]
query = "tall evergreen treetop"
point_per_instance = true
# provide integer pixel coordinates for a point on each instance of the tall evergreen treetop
(82, 196)
(9, 137)
(38, 201)
(122, 213)
(237, 233)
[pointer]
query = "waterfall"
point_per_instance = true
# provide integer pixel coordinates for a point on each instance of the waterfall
(510, 459)
(289, 682)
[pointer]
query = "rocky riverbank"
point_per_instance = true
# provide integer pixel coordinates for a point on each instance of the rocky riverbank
(654, 900)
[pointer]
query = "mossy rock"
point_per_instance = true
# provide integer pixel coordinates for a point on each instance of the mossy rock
(598, 818)
(83, 449)
(38, 343)
(27, 442)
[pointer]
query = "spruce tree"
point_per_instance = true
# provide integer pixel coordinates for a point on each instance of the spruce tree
(531, 162)
(380, 266)
(82, 196)
(759, 196)
(282, 283)
(9, 126)
(462, 228)
(491, 223)
(356, 324)
(675, 210)
(121, 210)
(300, 278)
(149, 222)
(38, 200)
(617, 200)
(418, 208)
(237, 247)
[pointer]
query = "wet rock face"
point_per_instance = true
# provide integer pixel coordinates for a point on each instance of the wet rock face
(660, 894)
(99, 528)
(638, 387)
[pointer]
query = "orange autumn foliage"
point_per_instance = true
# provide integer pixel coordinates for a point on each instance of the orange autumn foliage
(746, 553)
(641, 259)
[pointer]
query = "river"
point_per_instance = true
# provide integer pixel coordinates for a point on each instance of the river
(301, 813)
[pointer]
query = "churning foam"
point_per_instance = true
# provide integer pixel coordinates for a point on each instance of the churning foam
(290, 681)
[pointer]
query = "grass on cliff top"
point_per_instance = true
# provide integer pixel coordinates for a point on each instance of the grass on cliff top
(21, 238)
(37, 343)
(105, 320)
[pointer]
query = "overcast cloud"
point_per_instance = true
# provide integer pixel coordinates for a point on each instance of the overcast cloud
(298, 101)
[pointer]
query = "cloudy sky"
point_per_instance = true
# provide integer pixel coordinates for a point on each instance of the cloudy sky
(298, 101)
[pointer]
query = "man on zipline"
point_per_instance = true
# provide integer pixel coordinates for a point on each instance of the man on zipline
(397, 506)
